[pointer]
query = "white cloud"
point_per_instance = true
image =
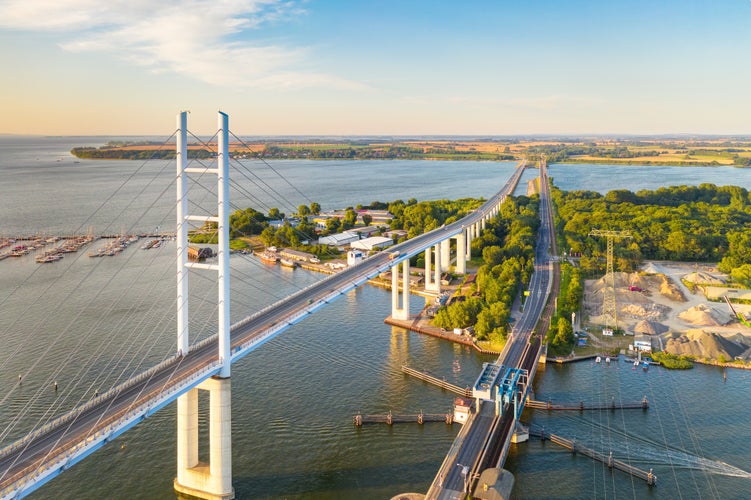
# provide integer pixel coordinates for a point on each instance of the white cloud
(206, 40)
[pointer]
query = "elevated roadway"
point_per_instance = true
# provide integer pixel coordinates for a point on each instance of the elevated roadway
(484, 440)
(46, 452)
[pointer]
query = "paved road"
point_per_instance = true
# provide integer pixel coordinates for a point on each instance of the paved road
(487, 431)
(113, 408)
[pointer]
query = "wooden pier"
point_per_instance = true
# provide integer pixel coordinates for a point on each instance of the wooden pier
(395, 418)
(611, 462)
(427, 377)
(549, 405)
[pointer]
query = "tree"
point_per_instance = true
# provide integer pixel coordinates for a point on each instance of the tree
(332, 225)
(315, 208)
(349, 220)
(367, 219)
(275, 214)
(303, 210)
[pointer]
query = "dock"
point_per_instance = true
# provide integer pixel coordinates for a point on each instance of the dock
(581, 406)
(611, 462)
(396, 418)
(465, 392)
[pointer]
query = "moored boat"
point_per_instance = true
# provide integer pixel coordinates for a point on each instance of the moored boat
(288, 263)
(269, 257)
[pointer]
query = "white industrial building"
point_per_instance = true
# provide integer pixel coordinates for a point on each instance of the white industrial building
(372, 243)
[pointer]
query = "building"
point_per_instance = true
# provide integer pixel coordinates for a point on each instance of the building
(372, 243)
(366, 231)
(396, 234)
(377, 217)
(642, 342)
(339, 239)
(354, 257)
(296, 255)
(196, 254)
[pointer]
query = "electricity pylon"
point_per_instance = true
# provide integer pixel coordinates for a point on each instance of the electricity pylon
(609, 308)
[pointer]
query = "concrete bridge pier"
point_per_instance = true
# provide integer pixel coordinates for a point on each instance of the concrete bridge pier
(432, 284)
(213, 480)
(403, 311)
(468, 232)
(445, 254)
(461, 254)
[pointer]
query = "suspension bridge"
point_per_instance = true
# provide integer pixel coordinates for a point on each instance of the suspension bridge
(54, 447)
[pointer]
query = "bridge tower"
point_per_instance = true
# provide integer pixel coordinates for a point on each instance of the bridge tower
(609, 307)
(211, 480)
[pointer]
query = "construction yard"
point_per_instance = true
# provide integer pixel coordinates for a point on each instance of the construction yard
(680, 307)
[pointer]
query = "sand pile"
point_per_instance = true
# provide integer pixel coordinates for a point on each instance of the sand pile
(649, 327)
(703, 315)
(650, 268)
(621, 279)
(703, 344)
(670, 290)
(650, 311)
(703, 279)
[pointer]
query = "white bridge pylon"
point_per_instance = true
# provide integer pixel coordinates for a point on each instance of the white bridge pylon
(194, 478)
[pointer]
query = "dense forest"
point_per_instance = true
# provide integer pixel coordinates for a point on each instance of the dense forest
(705, 223)
(507, 249)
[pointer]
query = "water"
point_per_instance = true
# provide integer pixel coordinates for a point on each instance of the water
(88, 323)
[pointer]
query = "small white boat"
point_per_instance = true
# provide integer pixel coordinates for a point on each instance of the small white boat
(607, 359)
(598, 359)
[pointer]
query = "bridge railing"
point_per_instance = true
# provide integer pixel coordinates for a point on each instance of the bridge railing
(60, 458)
(75, 412)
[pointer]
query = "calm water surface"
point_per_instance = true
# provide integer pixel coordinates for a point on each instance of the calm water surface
(89, 323)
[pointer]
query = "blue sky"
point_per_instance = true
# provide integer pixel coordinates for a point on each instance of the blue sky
(376, 67)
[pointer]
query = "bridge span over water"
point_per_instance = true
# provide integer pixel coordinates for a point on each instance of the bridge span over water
(28, 463)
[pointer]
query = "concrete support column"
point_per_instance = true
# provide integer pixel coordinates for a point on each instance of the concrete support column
(403, 311)
(212, 481)
(482, 223)
(445, 254)
(220, 436)
(405, 288)
(468, 250)
(187, 434)
(394, 290)
(437, 268)
(461, 254)
(429, 281)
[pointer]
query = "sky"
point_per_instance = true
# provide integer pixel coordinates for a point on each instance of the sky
(356, 67)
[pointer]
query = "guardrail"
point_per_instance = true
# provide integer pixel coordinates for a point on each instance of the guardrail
(59, 459)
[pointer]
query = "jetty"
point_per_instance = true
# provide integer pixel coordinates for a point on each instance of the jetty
(608, 459)
(442, 383)
(581, 406)
(396, 418)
